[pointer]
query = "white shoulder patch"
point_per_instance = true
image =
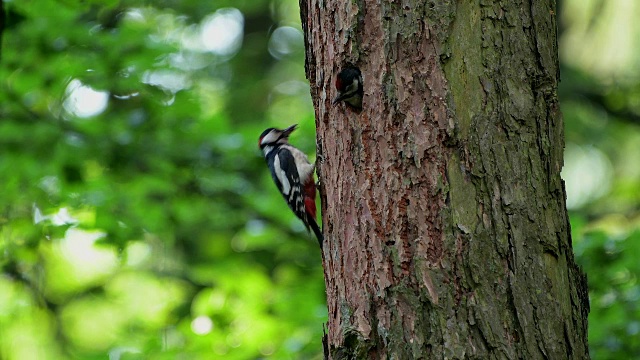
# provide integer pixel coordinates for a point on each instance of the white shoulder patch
(304, 167)
(281, 175)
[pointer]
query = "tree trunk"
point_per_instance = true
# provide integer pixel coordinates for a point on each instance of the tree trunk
(444, 213)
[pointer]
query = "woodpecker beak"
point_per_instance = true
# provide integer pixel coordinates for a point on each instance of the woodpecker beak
(336, 99)
(286, 132)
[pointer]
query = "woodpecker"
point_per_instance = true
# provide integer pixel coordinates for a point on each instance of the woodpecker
(349, 86)
(293, 174)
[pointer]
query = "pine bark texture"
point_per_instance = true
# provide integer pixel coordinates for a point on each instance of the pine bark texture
(446, 231)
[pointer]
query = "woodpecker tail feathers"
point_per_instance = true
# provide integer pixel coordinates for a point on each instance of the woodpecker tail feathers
(317, 232)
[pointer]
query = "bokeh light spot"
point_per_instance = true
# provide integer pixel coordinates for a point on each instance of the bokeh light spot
(221, 33)
(202, 325)
(284, 41)
(587, 174)
(84, 101)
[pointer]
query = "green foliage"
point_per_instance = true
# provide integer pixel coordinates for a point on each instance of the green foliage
(138, 217)
(609, 249)
(599, 95)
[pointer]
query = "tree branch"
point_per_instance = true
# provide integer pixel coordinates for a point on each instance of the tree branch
(578, 86)
(2, 22)
(621, 113)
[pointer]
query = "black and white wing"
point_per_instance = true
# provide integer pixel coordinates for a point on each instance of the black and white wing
(287, 179)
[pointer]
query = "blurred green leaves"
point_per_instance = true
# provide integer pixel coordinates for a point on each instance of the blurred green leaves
(137, 214)
(137, 218)
(609, 248)
(599, 97)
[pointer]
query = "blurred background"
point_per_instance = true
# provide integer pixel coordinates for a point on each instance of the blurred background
(138, 219)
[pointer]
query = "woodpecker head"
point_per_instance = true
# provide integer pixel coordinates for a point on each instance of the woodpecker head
(349, 86)
(273, 136)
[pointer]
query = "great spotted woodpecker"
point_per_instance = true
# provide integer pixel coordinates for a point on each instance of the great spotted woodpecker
(349, 86)
(293, 174)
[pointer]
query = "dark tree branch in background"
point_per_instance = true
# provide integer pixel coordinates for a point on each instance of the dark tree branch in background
(604, 103)
(2, 20)
(584, 88)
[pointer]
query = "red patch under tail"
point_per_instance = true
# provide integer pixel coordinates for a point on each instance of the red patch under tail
(310, 198)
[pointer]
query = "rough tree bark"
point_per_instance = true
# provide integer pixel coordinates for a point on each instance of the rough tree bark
(444, 213)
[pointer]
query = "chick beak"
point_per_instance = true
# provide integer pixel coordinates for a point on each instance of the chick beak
(336, 99)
